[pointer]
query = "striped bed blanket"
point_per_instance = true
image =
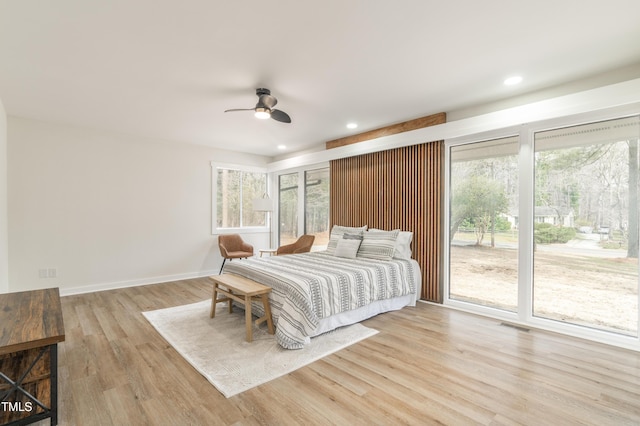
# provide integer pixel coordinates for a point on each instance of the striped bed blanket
(308, 287)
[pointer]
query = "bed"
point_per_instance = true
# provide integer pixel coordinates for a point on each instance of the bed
(316, 292)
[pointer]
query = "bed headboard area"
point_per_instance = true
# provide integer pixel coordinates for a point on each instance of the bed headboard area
(400, 188)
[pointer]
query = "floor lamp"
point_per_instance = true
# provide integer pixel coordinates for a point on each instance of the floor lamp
(265, 204)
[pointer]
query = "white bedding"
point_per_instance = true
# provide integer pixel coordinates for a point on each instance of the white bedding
(313, 293)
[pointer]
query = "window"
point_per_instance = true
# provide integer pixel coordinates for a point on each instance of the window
(234, 191)
(484, 223)
(544, 226)
(586, 225)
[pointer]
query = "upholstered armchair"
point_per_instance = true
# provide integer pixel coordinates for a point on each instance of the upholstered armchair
(233, 247)
(302, 245)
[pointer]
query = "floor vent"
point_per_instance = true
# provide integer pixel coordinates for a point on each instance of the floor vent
(517, 327)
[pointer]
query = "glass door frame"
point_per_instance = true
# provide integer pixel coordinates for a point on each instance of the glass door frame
(463, 305)
(526, 162)
(301, 194)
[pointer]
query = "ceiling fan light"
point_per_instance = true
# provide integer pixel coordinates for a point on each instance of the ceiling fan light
(263, 113)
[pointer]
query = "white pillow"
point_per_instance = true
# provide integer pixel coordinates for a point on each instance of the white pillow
(348, 246)
(378, 245)
(403, 244)
(338, 231)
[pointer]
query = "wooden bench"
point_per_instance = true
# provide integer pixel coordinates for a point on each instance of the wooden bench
(244, 291)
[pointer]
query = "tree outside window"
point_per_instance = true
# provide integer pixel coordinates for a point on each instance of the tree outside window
(235, 192)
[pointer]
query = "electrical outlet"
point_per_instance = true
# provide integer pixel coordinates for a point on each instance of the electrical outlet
(42, 273)
(52, 273)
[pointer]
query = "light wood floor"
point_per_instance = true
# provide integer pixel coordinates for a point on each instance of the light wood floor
(428, 365)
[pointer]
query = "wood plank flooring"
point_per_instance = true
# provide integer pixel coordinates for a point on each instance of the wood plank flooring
(428, 365)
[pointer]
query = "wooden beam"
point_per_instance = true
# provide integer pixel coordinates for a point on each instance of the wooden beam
(418, 123)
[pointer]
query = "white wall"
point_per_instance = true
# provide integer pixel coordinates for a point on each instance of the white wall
(107, 210)
(4, 239)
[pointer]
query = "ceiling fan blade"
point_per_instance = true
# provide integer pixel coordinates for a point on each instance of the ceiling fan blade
(240, 109)
(281, 116)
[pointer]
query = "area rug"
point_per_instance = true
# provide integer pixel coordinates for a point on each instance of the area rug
(217, 348)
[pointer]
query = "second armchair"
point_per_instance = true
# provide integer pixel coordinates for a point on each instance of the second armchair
(302, 245)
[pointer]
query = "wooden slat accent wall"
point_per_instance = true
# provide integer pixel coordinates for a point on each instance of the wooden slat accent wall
(397, 189)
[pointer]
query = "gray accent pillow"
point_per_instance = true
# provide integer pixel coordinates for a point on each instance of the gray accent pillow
(338, 231)
(352, 236)
(378, 245)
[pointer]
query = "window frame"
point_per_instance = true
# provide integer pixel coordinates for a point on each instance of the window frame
(215, 230)
(524, 316)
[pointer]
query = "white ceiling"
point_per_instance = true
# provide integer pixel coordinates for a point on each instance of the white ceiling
(168, 69)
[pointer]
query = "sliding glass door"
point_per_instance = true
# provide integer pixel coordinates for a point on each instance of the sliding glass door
(303, 206)
(484, 223)
(288, 208)
(586, 225)
(316, 205)
(543, 227)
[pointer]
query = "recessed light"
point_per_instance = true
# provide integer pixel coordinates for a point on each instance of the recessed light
(516, 79)
(352, 125)
(282, 147)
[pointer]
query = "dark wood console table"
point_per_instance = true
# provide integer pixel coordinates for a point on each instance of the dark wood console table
(31, 327)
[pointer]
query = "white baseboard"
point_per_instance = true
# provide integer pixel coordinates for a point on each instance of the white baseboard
(134, 283)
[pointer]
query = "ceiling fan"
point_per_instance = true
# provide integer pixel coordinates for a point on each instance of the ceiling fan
(264, 107)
